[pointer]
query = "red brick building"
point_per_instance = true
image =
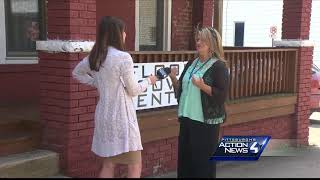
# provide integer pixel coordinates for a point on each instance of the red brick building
(67, 107)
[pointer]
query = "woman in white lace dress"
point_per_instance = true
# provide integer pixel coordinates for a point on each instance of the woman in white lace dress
(108, 68)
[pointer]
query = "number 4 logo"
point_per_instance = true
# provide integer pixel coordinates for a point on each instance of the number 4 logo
(254, 148)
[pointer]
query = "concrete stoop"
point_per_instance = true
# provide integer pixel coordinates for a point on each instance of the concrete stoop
(58, 176)
(33, 164)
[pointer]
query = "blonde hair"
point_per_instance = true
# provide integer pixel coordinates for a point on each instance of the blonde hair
(212, 38)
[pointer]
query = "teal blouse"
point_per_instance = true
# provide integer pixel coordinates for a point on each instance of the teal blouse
(190, 105)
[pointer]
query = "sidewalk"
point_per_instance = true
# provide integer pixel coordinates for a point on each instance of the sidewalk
(285, 163)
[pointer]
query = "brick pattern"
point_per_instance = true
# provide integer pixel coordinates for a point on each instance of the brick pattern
(207, 12)
(186, 15)
(124, 9)
(67, 107)
(160, 157)
(71, 19)
(282, 127)
(296, 25)
(182, 27)
(16, 77)
(66, 110)
(304, 93)
(296, 19)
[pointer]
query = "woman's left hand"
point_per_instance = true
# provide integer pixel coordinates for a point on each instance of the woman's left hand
(197, 82)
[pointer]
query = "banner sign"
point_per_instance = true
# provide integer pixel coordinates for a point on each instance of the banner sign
(161, 94)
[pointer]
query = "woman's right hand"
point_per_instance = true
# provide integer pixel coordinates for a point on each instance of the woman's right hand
(153, 79)
(174, 72)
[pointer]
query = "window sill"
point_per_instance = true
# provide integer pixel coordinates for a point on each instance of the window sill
(21, 60)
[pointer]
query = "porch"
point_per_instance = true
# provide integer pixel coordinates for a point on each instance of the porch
(262, 85)
(269, 94)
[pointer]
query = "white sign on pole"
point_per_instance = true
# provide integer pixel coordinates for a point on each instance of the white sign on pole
(273, 32)
(160, 95)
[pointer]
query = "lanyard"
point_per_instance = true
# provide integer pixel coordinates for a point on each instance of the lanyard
(192, 73)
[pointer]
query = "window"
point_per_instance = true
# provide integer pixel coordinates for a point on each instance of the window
(154, 17)
(238, 33)
(24, 26)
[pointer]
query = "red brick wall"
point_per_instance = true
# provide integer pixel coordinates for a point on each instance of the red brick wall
(66, 107)
(182, 25)
(19, 83)
(296, 19)
(66, 110)
(296, 25)
(278, 128)
(124, 10)
(207, 12)
(186, 15)
(72, 19)
(304, 93)
(160, 157)
(203, 12)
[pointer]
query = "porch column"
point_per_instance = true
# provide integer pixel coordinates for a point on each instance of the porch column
(295, 33)
(124, 10)
(67, 107)
(203, 12)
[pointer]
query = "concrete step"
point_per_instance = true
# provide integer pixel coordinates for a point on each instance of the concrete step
(10, 125)
(18, 142)
(34, 164)
(58, 176)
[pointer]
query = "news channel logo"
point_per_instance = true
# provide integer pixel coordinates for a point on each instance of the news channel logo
(240, 148)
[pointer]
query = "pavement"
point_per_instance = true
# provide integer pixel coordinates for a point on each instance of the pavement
(289, 162)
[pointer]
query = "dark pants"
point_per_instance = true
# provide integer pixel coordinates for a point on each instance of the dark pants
(197, 143)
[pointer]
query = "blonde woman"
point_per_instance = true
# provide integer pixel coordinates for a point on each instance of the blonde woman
(201, 93)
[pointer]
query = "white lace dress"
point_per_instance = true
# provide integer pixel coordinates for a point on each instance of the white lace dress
(116, 128)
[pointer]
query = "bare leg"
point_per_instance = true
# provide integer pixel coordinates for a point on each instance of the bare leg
(134, 170)
(107, 170)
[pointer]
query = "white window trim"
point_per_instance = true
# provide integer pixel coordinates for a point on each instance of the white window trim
(166, 25)
(293, 43)
(137, 40)
(2, 34)
(3, 49)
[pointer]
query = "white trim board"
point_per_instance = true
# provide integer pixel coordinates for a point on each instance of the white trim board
(3, 50)
(167, 25)
(65, 46)
(293, 43)
(137, 13)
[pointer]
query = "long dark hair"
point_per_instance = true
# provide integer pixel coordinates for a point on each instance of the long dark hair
(109, 33)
